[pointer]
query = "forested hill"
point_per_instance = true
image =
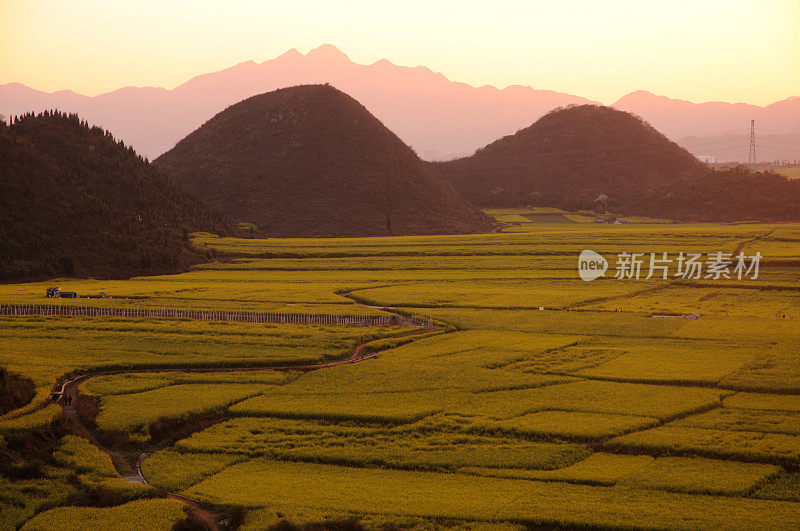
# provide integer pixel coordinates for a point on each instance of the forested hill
(312, 161)
(75, 202)
(567, 158)
(735, 194)
(595, 157)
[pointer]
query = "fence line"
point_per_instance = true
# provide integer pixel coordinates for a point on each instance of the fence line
(203, 315)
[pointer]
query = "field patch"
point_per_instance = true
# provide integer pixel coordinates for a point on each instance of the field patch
(725, 444)
(281, 486)
(470, 360)
(722, 300)
(175, 471)
(597, 469)
(590, 396)
(764, 402)
(573, 424)
(392, 408)
(493, 294)
(695, 475)
(774, 368)
(784, 487)
(141, 514)
(401, 447)
(701, 476)
(670, 361)
(133, 412)
(735, 419)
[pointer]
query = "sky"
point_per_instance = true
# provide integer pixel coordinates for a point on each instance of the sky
(699, 50)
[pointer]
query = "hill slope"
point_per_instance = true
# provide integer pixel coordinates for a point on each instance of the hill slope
(312, 161)
(567, 159)
(573, 157)
(75, 202)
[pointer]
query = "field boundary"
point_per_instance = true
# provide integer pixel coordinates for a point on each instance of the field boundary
(200, 315)
(358, 354)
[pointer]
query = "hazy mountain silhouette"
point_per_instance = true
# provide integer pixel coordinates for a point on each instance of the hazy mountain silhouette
(433, 115)
(437, 117)
(312, 161)
(722, 129)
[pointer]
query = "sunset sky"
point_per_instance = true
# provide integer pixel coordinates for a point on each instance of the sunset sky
(700, 50)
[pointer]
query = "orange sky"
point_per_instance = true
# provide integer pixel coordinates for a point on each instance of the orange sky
(700, 50)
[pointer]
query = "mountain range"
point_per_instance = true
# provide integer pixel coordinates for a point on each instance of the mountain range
(439, 118)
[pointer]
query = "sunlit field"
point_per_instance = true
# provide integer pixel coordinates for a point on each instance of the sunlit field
(526, 397)
(792, 172)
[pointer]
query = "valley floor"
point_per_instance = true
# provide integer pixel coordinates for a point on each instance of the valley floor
(508, 392)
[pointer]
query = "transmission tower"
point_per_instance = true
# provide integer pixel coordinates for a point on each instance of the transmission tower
(751, 159)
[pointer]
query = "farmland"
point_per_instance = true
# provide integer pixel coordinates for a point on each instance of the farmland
(792, 172)
(531, 397)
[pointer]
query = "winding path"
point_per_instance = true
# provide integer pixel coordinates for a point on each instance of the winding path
(69, 388)
(358, 354)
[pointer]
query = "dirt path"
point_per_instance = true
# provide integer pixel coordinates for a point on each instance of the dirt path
(197, 512)
(741, 245)
(67, 392)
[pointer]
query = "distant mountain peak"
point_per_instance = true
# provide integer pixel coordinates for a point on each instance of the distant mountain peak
(639, 97)
(328, 52)
(291, 53)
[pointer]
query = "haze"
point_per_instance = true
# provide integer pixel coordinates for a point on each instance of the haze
(699, 51)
